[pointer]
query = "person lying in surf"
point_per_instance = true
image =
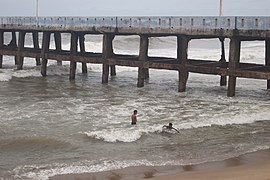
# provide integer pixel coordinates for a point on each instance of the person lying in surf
(170, 127)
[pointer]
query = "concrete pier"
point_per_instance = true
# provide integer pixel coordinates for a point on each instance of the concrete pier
(58, 44)
(107, 52)
(143, 54)
(36, 46)
(185, 29)
(182, 57)
(267, 57)
(21, 42)
(1, 46)
(234, 59)
(45, 49)
(82, 50)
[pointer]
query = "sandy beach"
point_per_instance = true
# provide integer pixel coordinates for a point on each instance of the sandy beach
(252, 166)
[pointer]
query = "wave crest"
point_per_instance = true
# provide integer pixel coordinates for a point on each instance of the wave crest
(121, 135)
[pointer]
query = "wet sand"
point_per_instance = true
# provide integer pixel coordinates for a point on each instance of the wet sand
(252, 166)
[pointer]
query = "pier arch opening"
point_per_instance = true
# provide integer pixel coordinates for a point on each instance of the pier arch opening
(93, 43)
(10, 38)
(253, 52)
(208, 49)
(126, 44)
(163, 46)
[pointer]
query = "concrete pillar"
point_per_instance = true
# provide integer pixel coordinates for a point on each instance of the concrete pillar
(267, 57)
(1, 46)
(20, 49)
(234, 59)
(44, 51)
(146, 73)
(107, 52)
(113, 70)
(182, 56)
(112, 67)
(223, 79)
(13, 44)
(73, 51)
(143, 54)
(36, 45)
(82, 49)
(58, 44)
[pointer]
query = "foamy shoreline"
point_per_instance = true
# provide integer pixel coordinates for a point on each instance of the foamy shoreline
(250, 166)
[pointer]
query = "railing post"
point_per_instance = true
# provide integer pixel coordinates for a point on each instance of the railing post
(143, 54)
(1, 46)
(36, 45)
(267, 57)
(107, 51)
(58, 44)
(73, 51)
(20, 49)
(44, 51)
(182, 56)
(234, 59)
(82, 50)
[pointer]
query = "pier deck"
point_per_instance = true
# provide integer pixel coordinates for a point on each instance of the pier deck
(185, 29)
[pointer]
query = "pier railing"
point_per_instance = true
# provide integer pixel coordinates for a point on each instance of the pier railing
(113, 23)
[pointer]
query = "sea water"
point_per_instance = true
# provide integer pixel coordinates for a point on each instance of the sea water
(55, 126)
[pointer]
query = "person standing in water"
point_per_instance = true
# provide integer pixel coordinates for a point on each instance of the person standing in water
(134, 117)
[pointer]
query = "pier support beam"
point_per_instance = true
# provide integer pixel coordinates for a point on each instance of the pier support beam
(107, 52)
(36, 45)
(58, 44)
(20, 49)
(113, 70)
(223, 79)
(143, 54)
(112, 67)
(73, 51)
(182, 56)
(13, 44)
(267, 57)
(82, 49)
(44, 51)
(234, 59)
(1, 46)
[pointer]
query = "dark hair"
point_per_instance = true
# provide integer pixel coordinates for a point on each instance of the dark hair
(170, 124)
(135, 111)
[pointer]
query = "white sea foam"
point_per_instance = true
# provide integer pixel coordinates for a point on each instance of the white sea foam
(223, 121)
(5, 75)
(35, 172)
(124, 134)
(35, 72)
(134, 134)
(54, 70)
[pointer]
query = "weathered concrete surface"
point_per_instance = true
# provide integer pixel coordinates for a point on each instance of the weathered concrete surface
(198, 26)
